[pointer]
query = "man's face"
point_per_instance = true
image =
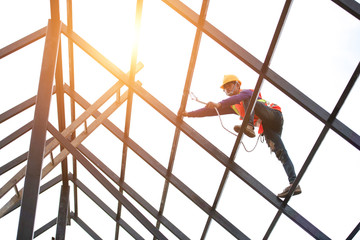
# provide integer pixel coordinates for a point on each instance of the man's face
(231, 88)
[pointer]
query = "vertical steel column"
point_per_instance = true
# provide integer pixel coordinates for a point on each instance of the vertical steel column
(63, 212)
(72, 102)
(189, 77)
(139, 6)
(38, 136)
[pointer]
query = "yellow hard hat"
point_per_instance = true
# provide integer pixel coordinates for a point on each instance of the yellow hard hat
(229, 78)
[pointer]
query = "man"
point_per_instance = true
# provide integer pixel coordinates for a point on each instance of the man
(268, 117)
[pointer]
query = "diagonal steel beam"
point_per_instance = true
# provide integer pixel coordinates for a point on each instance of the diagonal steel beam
(110, 174)
(20, 159)
(126, 203)
(351, 6)
(38, 136)
(15, 135)
(106, 208)
(19, 108)
(23, 42)
(84, 226)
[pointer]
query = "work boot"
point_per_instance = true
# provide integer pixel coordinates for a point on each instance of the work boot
(286, 191)
(249, 130)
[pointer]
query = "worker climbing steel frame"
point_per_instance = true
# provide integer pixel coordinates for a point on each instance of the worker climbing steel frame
(71, 144)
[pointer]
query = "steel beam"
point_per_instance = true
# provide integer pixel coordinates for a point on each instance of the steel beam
(126, 203)
(62, 218)
(84, 226)
(18, 108)
(17, 161)
(23, 42)
(110, 174)
(43, 188)
(351, 6)
(106, 209)
(15, 135)
(38, 136)
(139, 5)
(44, 228)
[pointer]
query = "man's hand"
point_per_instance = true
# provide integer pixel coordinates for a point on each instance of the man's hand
(185, 114)
(213, 105)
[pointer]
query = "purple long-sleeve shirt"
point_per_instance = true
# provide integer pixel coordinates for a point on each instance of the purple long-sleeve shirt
(225, 105)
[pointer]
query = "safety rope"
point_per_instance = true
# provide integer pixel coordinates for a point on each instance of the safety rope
(193, 97)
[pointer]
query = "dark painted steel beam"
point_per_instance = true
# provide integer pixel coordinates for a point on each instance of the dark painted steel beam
(106, 209)
(44, 228)
(84, 226)
(17, 161)
(23, 42)
(43, 188)
(18, 108)
(110, 174)
(15, 135)
(38, 136)
(62, 218)
(354, 232)
(351, 6)
(102, 180)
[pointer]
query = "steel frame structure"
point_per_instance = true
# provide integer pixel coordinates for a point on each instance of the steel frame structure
(65, 139)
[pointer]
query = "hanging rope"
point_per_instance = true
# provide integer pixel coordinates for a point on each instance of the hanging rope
(193, 97)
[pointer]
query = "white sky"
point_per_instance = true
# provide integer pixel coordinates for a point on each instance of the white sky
(317, 53)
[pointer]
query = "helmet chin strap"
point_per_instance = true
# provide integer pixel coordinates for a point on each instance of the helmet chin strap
(232, 90)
